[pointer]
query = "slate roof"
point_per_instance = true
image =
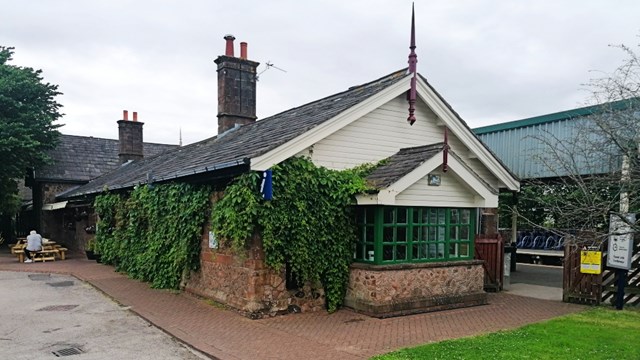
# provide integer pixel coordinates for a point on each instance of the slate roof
(82, 158)
(238, 145)
(402, 163)
(406, 160)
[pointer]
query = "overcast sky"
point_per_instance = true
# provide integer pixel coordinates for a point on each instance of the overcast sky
(493, 61)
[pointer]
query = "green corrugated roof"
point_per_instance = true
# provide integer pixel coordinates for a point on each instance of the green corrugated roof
(563, 115)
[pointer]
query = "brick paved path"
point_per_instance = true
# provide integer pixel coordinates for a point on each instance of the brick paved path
(344, 335)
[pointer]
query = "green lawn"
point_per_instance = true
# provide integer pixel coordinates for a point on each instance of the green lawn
(594, 334)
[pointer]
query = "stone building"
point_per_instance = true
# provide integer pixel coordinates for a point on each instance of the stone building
(76, 160)
(416, 245)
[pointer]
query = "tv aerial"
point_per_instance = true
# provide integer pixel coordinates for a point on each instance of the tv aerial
(269, 65)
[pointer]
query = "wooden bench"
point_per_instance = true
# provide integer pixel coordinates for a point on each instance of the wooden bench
(49, 253)
(62, 251)
(16, 248)
(44, 255)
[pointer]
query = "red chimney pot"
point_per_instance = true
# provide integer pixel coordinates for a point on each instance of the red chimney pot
(125, 115)
(135, 116)
(243, 50)
(229, 48)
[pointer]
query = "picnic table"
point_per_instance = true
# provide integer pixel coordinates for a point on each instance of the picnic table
(50, 250)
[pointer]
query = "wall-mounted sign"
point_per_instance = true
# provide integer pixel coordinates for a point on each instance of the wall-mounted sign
(620, 242)
(591, 262)
(213, 242)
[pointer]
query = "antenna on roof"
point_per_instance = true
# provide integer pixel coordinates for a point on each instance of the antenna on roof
(269, 65)
(413, 60)
(180, 143)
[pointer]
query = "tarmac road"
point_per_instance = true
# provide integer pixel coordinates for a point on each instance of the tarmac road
(41, 314)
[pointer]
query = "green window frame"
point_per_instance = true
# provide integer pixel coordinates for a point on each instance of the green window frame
(398, 234)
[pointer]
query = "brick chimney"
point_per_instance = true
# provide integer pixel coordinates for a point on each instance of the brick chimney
(236, 87)
(130, 138)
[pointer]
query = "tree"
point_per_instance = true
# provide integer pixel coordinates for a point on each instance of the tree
(590, 163)
(28, 111)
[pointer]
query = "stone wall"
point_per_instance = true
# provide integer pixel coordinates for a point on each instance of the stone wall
(391, 290)
(245, 283)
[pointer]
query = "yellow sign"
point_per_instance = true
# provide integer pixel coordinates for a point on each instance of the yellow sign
(591, 262)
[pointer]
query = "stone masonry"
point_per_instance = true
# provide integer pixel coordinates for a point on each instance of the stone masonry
(245, 283)
(391, 290)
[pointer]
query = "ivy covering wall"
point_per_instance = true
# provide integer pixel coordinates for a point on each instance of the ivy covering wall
(153, 234)
(309, 223)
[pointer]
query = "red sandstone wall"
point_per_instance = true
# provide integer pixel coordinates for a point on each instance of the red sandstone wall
(245, 283)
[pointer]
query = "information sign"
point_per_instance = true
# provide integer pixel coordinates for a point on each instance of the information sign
(591, 262)
(620, 242)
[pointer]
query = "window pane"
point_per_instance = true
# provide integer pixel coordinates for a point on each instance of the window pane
(433, 234)
(416, 215)
(465, 216)
(425, 216)
(369, 232)
(360, 215)
(464, 233)
(401, 252)
(454, 233)
(433, 216)
(441, 251)
(436, 251)
(401, 234)
(464, 249)
(401, 216)
(424, 251)
(416, 252)
(388, 234)
(388, 215)
(416, 234)
(370, 215)
(442, 216)
(454, 216)
(387, 252)
(424, 236)
(441, 233)
(433, 253)
(358, 253)
(453, 250)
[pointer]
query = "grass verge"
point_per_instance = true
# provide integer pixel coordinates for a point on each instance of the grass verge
(591, 335)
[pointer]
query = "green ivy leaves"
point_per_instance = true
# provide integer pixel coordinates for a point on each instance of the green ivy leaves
(153, 234)
(309, 222)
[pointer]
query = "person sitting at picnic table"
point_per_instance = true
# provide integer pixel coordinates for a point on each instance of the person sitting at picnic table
(34, 243)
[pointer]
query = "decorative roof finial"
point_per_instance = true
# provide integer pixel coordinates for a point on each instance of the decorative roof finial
(413, 61)
(413, 57)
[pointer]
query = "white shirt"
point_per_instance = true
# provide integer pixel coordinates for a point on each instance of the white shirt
(34, 242)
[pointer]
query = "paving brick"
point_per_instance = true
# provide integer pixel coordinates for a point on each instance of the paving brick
(344, 334)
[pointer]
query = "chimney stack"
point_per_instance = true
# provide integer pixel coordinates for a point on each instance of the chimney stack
(229, 49)
(236, 87)
(129, 138)
(243, 50)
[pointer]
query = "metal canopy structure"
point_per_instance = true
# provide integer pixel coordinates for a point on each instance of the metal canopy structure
(521, 143)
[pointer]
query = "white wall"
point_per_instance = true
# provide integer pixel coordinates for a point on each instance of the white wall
(383, 132)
